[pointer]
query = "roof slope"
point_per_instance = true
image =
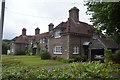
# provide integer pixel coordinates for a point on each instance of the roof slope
(75, 27)
(40, 36)
(102, 43)
(22, 39)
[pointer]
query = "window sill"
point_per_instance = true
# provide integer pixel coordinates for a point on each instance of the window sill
(57, 36)
(75, 53)
(57, 53)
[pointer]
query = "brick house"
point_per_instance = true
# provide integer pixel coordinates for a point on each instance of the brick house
(67, 40)
(20, 43)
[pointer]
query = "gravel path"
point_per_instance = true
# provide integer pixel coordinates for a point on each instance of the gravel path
(53, 66)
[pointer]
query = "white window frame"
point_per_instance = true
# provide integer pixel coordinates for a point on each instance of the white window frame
(57, 34)
(76, 50)
(40, 40)
(57, 50)
(43, 40)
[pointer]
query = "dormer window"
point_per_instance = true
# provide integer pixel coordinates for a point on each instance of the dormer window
(57, 34)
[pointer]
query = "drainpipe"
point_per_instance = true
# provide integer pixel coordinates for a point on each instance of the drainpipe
(68, 46)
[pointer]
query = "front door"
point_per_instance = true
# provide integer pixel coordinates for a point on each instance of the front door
(86, 50)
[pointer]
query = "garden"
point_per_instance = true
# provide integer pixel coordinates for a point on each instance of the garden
(26, 67)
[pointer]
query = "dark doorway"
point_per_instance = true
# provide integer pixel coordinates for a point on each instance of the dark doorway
(97, 54)
(86, 50)
(34, 51)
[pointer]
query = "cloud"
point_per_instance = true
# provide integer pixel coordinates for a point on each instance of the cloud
(30, 14)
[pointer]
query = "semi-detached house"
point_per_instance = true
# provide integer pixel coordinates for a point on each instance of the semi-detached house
(67, 39)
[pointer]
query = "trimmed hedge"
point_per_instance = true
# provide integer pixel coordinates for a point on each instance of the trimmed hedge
(74, 70)
(20, 53)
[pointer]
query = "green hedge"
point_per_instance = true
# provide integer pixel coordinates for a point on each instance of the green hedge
(74, 70)
(20, 53)
(112, 56)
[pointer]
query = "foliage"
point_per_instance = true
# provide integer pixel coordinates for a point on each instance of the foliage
(107, 55)
(5, 46)
(65, 60)
(105, 16)
(112, 56)
(80, 57)
(39, 50)
(116, 56)
(45, 55)
(74, 70)
(20, 53)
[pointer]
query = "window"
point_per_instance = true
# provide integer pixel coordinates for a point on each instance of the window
(12, 50)
(76, 50)
(40, 40)
(57, 34)
(31, 42)
(43, 40)
(57, 50)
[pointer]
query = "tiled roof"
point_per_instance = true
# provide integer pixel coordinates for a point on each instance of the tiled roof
(40, 36)
(102, 43)
(22, 39)
(75, 27)
(109, 43)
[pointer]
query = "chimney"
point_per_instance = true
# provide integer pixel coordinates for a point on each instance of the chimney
(24, 31)
(74, 14)
(37, 31)
(51, 25)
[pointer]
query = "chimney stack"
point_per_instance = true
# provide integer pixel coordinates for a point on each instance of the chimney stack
(74, 14)
(51, 25)
(24, 31)
(37, 31)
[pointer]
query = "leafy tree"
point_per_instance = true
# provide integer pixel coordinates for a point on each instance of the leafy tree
(106, 16)
(5, 46)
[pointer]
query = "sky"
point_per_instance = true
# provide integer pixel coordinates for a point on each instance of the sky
(31, 14)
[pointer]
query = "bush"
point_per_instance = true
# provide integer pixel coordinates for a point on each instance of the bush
(65, 60)
(20, 53)
(74, 70)
(45, 55)
(110, 56)
(80, 58)
(116, 57)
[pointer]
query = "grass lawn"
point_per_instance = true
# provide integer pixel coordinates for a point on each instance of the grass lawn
(28, 60)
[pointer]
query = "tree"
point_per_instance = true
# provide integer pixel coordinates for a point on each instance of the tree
(5, 46)
(106, 16)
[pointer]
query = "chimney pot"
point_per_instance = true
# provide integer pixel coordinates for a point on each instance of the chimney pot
(51, 25)
(74, 14)
(24, 31)
(37, 31)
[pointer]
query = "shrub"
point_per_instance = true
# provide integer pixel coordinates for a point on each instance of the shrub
(65, 60)
(74, 70)
(107, 55)
(20, 53)
(80, 58)
(110, 56)
(45, 55)
(116, 57)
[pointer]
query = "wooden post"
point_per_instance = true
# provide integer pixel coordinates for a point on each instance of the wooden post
(1, 33)
(1, 24)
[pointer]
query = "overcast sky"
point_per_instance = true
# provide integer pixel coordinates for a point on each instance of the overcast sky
(31, 14)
